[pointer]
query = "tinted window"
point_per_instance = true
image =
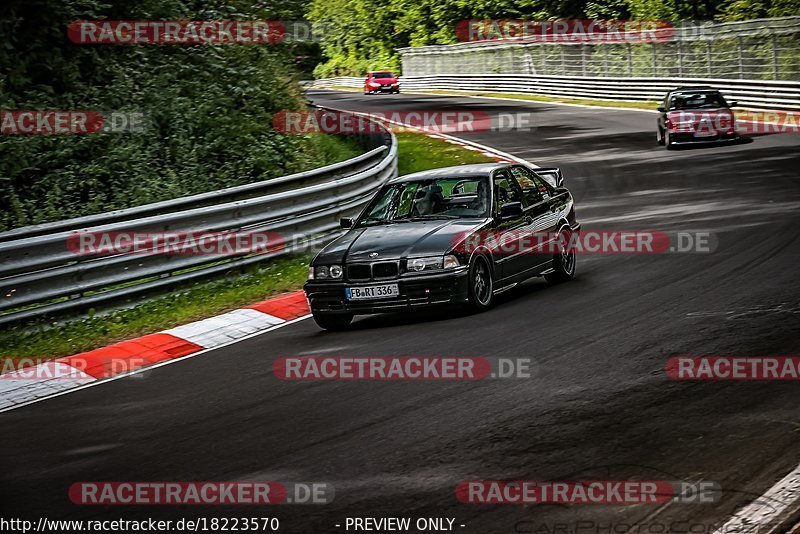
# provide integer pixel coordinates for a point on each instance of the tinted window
(432, 198)
(532, 187)
(707, 99)
(383, 75)
(505, 190)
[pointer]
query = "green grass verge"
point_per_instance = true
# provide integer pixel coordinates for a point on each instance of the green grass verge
(418, 152)
(196, 301)
(531, 98)
(192, 303)
(542, 98)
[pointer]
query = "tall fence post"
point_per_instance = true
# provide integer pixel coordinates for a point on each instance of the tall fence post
(542, 50)
(630, 60)
(655, 61)
(583, 59)
(741, 59)
(774, 55)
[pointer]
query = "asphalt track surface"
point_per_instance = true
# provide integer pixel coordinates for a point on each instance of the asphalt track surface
(599, 405)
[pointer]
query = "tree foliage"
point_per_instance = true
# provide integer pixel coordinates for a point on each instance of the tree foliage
(209, 109)
(362, 35)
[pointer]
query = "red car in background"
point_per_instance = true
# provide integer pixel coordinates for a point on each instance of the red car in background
(691, 115)
(381, 81)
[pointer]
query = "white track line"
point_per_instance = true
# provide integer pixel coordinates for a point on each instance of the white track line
(769, 513)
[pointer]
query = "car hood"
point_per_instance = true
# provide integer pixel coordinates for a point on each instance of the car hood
(399, 240)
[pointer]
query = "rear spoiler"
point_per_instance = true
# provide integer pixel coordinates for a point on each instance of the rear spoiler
(552, 175)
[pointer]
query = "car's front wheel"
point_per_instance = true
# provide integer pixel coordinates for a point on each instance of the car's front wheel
(564, 262)
(668, 141)
(481, 285)
(660, 136)
(333, 321)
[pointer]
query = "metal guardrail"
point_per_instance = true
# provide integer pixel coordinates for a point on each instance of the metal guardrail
(41, 277)
(755, 94)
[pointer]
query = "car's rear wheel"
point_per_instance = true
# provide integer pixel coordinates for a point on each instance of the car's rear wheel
(333, 321)
(668, 140)
(564, 262)
(481, 285)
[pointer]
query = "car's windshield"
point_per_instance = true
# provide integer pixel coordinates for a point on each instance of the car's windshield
(439, 198)
(382, 75)
(696, 100)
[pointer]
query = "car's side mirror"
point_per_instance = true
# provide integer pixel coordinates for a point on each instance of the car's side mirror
(733, 103)
(346, 222)
(662, 109)
(511, 210)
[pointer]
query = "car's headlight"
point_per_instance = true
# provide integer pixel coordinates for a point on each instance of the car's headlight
(433, 262)
(310, 272)
(323, 272)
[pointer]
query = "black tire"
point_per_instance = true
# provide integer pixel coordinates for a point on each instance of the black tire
(564, 262)
(333, 321)
(660, 136)
(668, 141)
(481, 285)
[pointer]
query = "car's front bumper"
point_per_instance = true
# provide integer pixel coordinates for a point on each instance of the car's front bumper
(690, 138)
(415, 291)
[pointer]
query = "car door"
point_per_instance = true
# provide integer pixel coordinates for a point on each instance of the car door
(508, 250)
(542, 211)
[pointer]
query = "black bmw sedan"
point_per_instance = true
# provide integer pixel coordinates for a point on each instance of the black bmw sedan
(456, 235)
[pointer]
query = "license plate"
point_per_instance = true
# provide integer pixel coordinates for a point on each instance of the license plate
(372, 292)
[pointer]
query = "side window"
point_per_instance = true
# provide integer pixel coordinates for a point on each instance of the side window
(532, 187)
(505, 190)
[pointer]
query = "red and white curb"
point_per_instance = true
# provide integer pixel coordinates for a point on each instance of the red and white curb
(55, 377)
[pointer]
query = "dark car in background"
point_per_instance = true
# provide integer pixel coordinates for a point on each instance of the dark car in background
(693, 115)
(381, 81)
(422, 240)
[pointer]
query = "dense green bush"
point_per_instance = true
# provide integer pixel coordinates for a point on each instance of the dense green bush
(209, 110)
